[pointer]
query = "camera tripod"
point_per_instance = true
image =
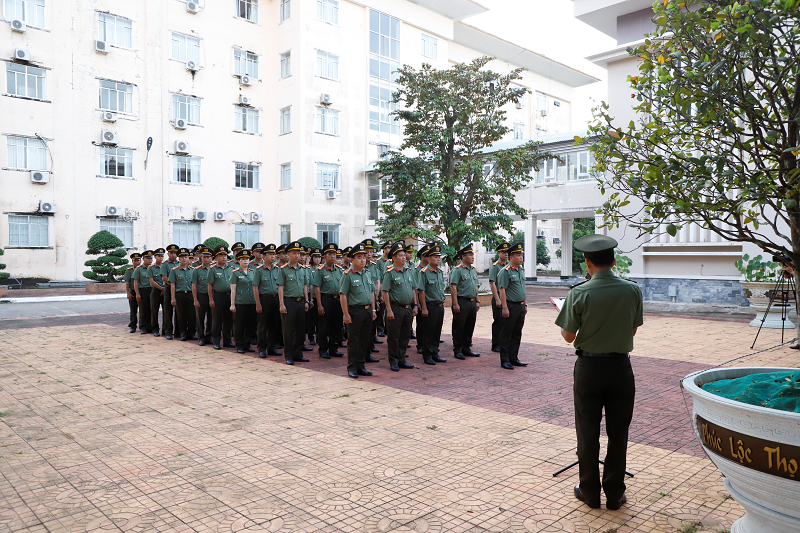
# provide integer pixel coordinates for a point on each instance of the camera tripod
(784, 292)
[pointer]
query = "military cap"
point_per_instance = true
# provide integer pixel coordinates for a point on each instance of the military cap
(421, 251)
(204, 250)
(196, 248)
(386, 244)
(270, 248)
(316, 251)
(397, 247)
(136, 256)
(281, 249)
(434, 249)
(221, 249)
(257, 247)
(147, 253)
(294, 246)
(237, 246)
(359, 248)
(173, 248)
(330, 247)
(369, 244)
(595, 243)
(466, 250)
(183, 252)
(347, 250)
(502, 247)
(244, 254)
(409, 248)
(159, 251)
(339, 253)
(516, 249)
(305, 250)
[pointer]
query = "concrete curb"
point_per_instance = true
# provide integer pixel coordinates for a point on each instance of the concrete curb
(43, 299)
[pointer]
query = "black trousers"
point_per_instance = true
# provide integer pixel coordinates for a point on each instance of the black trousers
(203, 317)
(221, 319)
(329, 326)
(603, 383)
(156, 302)
(269, 322)
(133, 315)
(497, 319)
(398, 331)
(511, 332)
(358, 336)
(464, 324)
(311, 319)
(431, 327)
(294, 327)
(184, 308)
(145, 322)
(381, 321)
(244, 324)
(170, 319)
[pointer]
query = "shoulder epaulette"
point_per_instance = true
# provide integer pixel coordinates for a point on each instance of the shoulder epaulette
(578, 284)
(320, 267)
(176, 268)
(425, 269)
(496, 263)
(130, 268)
(507, 267)
(388, 268)
(284, 265)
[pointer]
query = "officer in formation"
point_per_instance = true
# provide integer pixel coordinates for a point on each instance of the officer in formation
(400, 299)
(219, 299)
(465, 305)
(294, 302)
(357, 299)
(383, 262)
(133, 305)
(497, 311)
(265, 292)
(600, 317)
(200, 295)
(142, 290)
(430, 291)
(326, 282)
(180, 286)
(243, 302)
(511, 288)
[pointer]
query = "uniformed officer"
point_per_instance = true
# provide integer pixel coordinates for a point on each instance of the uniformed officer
(236, 248)
(465, 304)
(377, 278)
(313, 313)
(219, 299)
(157, 294)
(431, 300)
(383, 263)
(357, 300)
(423, 262)
(243, 303)
(400, 300)
(409, 249)
(283, 258)
(339, 257)
(142, 289)
(170, 319)
(265, 291)
(346, 261)
(511, 288)
(497, 312)
(133, 304)
(258, 254)
(180, 284)
(327, 278)
(202, 305)
(293, 301)
(196, 259)
(600, 317)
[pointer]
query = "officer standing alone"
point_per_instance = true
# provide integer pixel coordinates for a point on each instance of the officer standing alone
(600, 317)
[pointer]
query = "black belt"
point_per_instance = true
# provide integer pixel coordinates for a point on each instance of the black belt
(222, 292)
(465, 298)
(268, 295)
(330, 295)
(404, 306)
(435, 304)
(359, 306)
(182, 292)
(298, 299)
(603, 355)
(518, 303)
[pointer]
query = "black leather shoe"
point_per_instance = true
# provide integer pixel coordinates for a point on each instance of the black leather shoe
(353, 374)
(274, 352)
(240, 350)
(614, 506)
(429, 361)
(302, 360)
(441, 341)
(341, 345)
(228, 345)
(312, 342)
(170, 337)
(496, 350)
(373, 350)
(217, 347)
(336, 354)
(144, 332)
(279, 346)
(795, 347)
(376, 340)
(363, 372)
(370, 359)
(594, 504)
(307, 349)
(249, 349)
(395, 368)
(262, 355)
(518, 363)
(133, 330)
(507, 366)
(470, 353)
(459, 356)
(381, 334)
(438, 359)
(405, 365)
(325, 355)
(156, 334)
(184, 338)
(193, 338)
(419, 350)
(289, 362)
(413, 336)
(202, 342)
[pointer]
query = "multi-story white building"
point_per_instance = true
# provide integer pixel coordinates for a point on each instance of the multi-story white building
(256, 120)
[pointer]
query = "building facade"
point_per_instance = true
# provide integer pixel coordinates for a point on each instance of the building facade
(255, 120)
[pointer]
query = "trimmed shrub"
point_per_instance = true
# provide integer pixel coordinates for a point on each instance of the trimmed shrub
(111, 265)
(213, 242)
(3, 275)
(309, 242)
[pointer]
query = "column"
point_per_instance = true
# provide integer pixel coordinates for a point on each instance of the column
(566, 248)
(531, 231)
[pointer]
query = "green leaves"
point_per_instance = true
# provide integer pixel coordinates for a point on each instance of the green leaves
(104, 268)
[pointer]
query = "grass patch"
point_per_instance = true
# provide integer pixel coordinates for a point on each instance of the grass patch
(432, 428)
(4, 413)
(341, 396)
(104, 377)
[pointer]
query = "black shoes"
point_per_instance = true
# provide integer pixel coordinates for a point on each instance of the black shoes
(429, 361)
(381, 334)
(459, 357)
(133, 330)
(279, 346)
(507, 366)
(594, 504)
(274, 352)
(325, 355)
(370, 359)
(193, 338)
(143, 332)
(518, 363)
(470, 353)
(307, 349)
(495, 349)
(405, 365)
(373, 350)
(376, 340)
(438, 359)
(353, 374)
(614, 506)
(795, 347)
(413, 335)
(341, 345)
(202, 342)
(441, 341)
(240, 350)
(394, 368)
(156, 334)
(336, 353)
(290, 362)
(302, 360)
(249, 349)
(184, 338)
(311, 340)
(419, 350)
(217, 347)
(170, 337)
(363, 372)
(262, 355)
(228, 345)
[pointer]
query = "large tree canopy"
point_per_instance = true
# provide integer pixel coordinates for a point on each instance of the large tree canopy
(449, 185)
(716, 142)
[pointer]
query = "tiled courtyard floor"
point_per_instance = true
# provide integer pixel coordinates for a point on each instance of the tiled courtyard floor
(101, 430)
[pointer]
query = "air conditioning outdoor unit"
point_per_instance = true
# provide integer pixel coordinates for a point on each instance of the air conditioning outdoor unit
(40, 176)
(48, 207)
(244, 100)
(182, 147)
(114, 211)
(330, 194)
(101, 46)
(109, 137)
(245, 79)
(22, 54)
(254, 217)
(192, 7)
(557, 103)
(192, 66)
(18, 25)
(201, 215)
(109, 116)
(180, 124)
(544, 112)
(219, 216)
(325, 99)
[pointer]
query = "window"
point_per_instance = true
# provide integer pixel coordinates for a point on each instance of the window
(541, 101)
(116, 96)
(28, 231)
(384, 48)
(327, 65)
(383, 149)
(29, 11)
(327, 176)
(286, 64)
(186, 234)
(286, 233)
(246, 233)
(378, 194)
(186, 170)
(245, 63)
(246, 9)
(23, 80)
(115, 30)
(429, 46)
(327, 121)
(286, 120)
(328, 233)
(246, 176)
(117, 162)
(186, 107)
(286, 10)
(121, 228)
(185, 48)
(286, 176)
(245, 120)
(328, 11)
(26, 154)
(519, 131)
(540, 132)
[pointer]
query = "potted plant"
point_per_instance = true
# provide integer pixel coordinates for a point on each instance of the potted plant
(759, 279)
(107, 270)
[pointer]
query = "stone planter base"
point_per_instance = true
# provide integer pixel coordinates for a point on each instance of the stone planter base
(773, 320)
(484, 299)
(105, 288)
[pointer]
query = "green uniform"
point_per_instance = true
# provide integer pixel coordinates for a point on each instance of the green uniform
(200, 277)
(167, 266)
(293, 280)
(220, 278)
(170, 323)
(497, 312)
(181, 278)
(512, 279)
(293, 322)
(269, 319)
(145, 292)
(154, 273)
(429, 331)
(141, 275)
(466, 281)
(204, 312)
(266, 280)
(244, 319)
(399, 283)
(329, 325)
(222, 317)
(400, 286)
(244, 286)
(157, 299)
(328, 279)
(431, 282)
(358, 288)
(133, 305)
(128, 277)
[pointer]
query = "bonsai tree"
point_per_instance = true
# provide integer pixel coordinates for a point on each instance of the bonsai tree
(111, 265)
(3, 275)
(309, 242)
(213, 242)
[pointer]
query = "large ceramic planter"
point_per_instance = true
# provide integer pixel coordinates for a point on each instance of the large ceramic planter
(757, 293)
(92, 287)
(756, 448)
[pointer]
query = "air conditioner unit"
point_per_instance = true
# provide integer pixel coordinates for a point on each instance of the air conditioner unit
(192, 66)
(180, 123)
(109, 116)
(325, 99)
(245, 79)
(182, 147)
(254, 217)
(109, 137)
(22, 54)
(219, 216)
(520, 104)
(557, 103)
(18, 25)
(40, 176)
(201, 215)
(101, 46)
(114, 211)
(192, 7)
(244, 100)
(544, 112)
(48, 207)
(330, 194)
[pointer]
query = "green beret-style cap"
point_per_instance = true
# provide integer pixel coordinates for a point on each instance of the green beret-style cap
(595, 243)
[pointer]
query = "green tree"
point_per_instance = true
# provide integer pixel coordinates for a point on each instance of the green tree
(716, 141)
(580, 227)
(309, 242)
(3, 275)
(454, 186)
(213, 242)
(111, 265)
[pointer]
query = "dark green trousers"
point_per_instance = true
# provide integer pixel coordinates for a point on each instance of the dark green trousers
(221, 319)
(603, 383)
(398, 332)
(133, 307)
(144, 309)
(358, 335)
(184, 307)
(293, 324)
(269, 322)
(497, 318)
(464, 324)
(156, 302)
(203, 317)
(431, 327)
(329, 328)
(170, 319)
(244, 325)
(511, 332)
